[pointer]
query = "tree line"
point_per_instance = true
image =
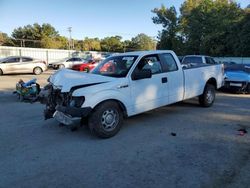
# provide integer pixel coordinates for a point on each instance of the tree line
(46, 36)
(211, 27)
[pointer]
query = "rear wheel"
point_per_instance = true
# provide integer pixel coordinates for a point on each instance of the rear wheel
(37, 71)
(1, 72)
(208, 96)
(106, 119)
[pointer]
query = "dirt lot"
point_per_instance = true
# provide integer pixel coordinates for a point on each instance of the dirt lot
(206, 151)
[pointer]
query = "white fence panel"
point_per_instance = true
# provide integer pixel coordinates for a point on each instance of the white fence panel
(48, 55)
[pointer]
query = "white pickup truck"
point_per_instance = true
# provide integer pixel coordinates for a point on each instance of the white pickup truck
(124, 85)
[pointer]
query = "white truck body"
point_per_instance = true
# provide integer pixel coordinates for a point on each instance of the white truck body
(141, 95)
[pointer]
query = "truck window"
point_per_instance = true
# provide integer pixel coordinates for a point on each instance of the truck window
(115, 66)
(210, 60)
(169, 63)
(151, 62)
(192, 60)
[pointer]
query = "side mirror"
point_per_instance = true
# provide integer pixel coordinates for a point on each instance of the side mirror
(141, 74)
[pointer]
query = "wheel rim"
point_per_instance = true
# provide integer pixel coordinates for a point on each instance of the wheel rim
(210, 96)
(38, 71)
(110, 119)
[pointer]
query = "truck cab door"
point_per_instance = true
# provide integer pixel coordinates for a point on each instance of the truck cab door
(175, 78)
(147, 93)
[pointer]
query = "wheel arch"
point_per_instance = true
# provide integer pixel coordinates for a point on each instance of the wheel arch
(212, 81)
(121, 105)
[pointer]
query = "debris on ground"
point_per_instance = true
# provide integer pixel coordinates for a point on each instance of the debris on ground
(173, 134)
(242, 131)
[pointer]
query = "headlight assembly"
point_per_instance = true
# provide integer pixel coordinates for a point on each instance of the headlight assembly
(77, 102)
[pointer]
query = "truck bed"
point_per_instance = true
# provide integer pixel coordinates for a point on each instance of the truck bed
(195, 78)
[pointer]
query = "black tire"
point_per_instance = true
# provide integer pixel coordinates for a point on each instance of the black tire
(37, 70)
(100, 119)
(61, 66)
(208, 97)
(1, 72)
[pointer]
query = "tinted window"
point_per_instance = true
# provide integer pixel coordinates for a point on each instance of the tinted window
(78, 59)
(13, 60)
(26, 59)
(151, 62)
(210, 60)
(195, 60)
(168, 62)
(71, 59)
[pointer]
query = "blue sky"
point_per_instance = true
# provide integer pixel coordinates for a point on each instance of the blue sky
(88, 18)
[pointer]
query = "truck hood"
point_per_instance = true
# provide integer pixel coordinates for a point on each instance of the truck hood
(239, 76)
(65, 79)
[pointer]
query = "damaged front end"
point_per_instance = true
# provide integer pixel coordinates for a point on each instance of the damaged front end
(53, 97)
(62, 106)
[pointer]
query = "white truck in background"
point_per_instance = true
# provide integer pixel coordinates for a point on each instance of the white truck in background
(124, 85)
(197, 60)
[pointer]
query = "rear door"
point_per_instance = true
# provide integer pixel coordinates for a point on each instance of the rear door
(27, 64)
(147, 93)
(174, 90)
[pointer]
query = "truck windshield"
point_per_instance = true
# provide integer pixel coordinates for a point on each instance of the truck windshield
(115, 66)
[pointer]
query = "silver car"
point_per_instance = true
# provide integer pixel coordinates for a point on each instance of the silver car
(66, 63)
(21, 64)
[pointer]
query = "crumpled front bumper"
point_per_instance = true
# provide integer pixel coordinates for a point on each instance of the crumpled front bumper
(73, 111)
(70, 115)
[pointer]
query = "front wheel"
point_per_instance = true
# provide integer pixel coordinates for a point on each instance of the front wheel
(208, 96)
(106, 119)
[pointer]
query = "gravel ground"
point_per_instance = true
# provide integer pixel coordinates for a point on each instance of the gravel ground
(206, 151)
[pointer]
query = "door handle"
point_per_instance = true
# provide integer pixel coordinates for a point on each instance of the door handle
(164, 80)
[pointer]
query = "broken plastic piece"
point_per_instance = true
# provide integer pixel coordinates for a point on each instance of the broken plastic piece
(242, 132)
(173, 134)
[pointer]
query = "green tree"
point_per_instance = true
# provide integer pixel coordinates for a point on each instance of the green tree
(127, 45)
(169, 37)
(239, 37)
(5, 40)
(142, 42)
(203, 27)
(112, 44)
(58, 42)
(207, 26)
(91, 44)
(35, 34)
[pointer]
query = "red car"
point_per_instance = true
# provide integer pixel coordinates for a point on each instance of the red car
(85, 66)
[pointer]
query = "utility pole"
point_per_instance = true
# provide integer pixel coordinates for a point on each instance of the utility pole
(70, 40)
